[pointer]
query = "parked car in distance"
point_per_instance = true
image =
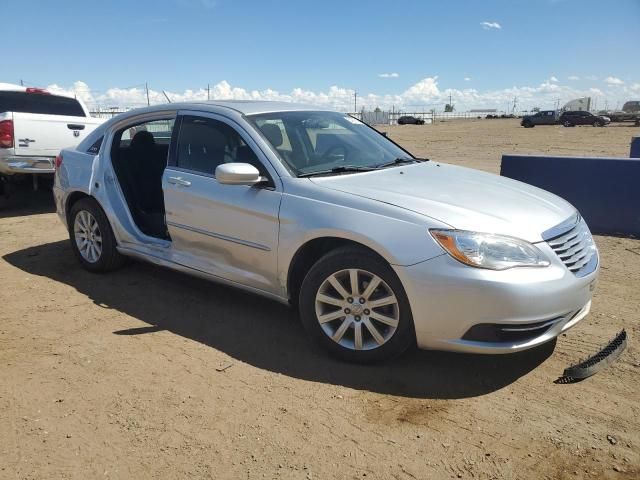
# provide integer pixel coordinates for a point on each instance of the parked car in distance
(544, 117)
(582, 117)
(630, 113)
(409, 120)
(35, 125)
(377, 249)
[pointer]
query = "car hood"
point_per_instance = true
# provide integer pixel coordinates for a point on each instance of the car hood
(463, 198)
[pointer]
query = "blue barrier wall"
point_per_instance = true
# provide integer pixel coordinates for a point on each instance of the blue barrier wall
(606, 191)
(635, 147)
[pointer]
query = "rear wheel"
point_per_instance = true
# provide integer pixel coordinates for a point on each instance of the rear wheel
(527, 124)
(567, 123)
(353, 305)
(92, 239)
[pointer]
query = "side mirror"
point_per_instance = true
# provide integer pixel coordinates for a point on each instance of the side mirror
(238, 174)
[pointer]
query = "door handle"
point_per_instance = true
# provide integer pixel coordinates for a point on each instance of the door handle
(179, 181)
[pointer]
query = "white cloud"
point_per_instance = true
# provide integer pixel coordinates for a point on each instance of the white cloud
(573, 77)
(467, 79)
(491, 25)
(553, 79)
(613, 81)
(423, 95)
(389, 75)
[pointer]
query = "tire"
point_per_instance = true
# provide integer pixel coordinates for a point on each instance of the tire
(567, 123)
(378, 340)
(528, 125)
(87, 218)
(598, 123)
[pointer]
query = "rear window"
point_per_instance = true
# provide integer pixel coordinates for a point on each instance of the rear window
(39, 103)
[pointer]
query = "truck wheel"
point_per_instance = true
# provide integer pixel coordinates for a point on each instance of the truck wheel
(92, 239)
(528, 124)
(354, 306)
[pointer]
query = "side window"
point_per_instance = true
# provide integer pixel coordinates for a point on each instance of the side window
(205, 143)
(159, 129)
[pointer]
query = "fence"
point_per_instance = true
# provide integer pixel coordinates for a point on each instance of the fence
(391, 117)
(107, 113)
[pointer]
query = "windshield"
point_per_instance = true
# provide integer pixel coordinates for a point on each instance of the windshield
(309, 142)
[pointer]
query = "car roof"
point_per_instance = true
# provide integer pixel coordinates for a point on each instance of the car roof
(245, 107)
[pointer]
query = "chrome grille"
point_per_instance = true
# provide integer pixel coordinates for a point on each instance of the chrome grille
(576, 249)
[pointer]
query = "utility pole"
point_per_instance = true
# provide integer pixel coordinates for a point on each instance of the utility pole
(146, 86)
(355, 101)
(208, 92)
(21, 83)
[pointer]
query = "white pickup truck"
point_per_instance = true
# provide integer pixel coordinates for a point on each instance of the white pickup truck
(35, 125)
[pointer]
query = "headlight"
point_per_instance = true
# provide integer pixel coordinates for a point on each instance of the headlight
(485, 250)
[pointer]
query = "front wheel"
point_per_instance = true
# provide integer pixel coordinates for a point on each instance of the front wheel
(354, 306)
(598, 123)
(92, 239)
(567, 123)
(527, 125)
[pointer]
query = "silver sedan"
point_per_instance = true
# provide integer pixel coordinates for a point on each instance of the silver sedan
(377, 249)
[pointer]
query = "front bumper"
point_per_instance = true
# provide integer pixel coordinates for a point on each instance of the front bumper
(448, 298)
(15, 164)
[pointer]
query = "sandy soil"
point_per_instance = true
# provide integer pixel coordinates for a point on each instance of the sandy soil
(147, 373)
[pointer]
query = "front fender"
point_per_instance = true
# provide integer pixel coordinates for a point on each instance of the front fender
(400, 239)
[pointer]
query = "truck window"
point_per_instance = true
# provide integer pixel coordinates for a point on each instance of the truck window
(39, 103)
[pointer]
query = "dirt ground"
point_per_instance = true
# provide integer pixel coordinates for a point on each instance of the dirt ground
(147, 373)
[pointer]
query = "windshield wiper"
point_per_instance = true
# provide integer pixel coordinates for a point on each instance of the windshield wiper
(335, 170)
(401, 161)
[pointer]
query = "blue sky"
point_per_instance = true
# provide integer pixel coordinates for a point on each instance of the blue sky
(536, 50)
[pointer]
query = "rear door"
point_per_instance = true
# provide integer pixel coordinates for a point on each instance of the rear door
(230, 231)
(44, 124)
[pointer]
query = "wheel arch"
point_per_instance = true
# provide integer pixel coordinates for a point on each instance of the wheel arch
(310, 252)
(74, 197)
(71, 200)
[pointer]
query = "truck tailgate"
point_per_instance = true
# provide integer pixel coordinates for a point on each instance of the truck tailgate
(46, 135)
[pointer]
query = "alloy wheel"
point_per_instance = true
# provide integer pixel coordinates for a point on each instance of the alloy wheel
(357, 309)
(88, 237)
